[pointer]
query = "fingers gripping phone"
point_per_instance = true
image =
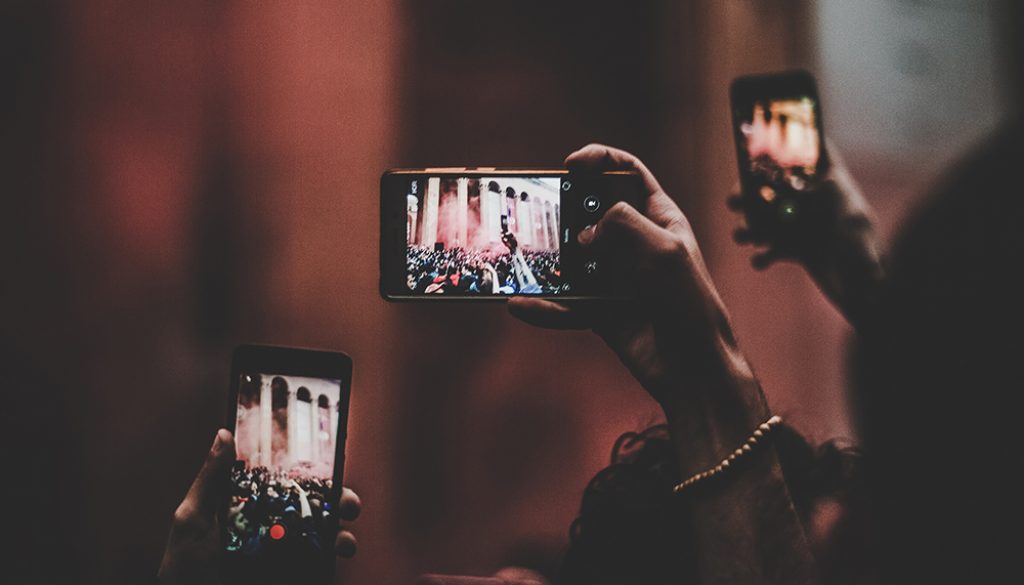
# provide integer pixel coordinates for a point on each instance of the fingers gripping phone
(472, 233)
(780, 145)
(288, 409)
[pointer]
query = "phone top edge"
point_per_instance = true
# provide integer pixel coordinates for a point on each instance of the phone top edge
(489, 171)
(244, 349)
(748, 88)
(786, 76)
(279, 359)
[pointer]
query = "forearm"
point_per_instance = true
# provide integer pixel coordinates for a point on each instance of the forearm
(528, 276)
(743, 519)
(306, 510)
(745, 526)
(853, 278)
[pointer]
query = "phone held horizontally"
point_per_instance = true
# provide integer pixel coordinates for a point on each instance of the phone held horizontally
(485, 233)
(288, 409)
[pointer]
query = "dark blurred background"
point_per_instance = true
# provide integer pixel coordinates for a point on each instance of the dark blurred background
(183, 177)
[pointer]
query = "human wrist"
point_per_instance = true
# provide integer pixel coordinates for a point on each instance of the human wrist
(756, 441)
(852, 278)
(705, 433)
(712, 412)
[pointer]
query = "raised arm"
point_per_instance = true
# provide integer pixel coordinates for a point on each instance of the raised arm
(837, 243)
(676, 339)
(493, 272)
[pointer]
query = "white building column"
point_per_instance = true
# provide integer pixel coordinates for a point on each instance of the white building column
(332, 408)
(292, 430)
(462, 212)
(490, 216)
(524, 222)
(431, 202)
(545, 233)
(496, 211)
(266, 423)
(549, 210)
(483, 236)
(412, 210)
(314, 429)
(537, 213)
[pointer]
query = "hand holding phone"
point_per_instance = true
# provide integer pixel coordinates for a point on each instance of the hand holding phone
(799, 200)
(777, 124)
(279, 517)
(492, 233)
(193, 550)
(676, 339)
(676, 329)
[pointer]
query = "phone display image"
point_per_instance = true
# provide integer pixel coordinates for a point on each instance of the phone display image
(780, 147)
(286, 437)
(483, 235)
(782, 144)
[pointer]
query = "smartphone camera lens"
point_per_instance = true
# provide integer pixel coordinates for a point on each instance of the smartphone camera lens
(591, 203)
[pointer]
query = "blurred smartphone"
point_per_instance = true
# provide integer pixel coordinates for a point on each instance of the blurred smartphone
(288, 409)
(484, 233)
(780, 145)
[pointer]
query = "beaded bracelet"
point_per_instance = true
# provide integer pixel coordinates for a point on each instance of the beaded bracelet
(748, 446)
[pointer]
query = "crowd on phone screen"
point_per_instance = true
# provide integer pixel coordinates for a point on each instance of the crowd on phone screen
(456, 270)
(768, 170)
(268, 506)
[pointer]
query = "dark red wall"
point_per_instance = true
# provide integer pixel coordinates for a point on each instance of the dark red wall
(187, 176)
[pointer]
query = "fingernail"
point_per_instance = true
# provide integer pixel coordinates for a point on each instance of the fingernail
(223, 436)
(586, 235)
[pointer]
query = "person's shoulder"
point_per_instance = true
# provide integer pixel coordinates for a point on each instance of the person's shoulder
(976, 208)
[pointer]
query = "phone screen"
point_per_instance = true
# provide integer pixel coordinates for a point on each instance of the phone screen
(781, 143)
(480, 235)
(781, 151)
(280, 512)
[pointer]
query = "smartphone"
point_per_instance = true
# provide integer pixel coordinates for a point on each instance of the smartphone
(486, 233)
(780, 145)
(288, 409)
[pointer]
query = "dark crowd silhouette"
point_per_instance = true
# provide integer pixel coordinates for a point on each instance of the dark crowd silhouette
(271, 509)
(456, 270)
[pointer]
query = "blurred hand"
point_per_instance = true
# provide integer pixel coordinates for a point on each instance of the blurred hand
(840, 251)
(504, 577)
(675, 335)
(509, 239)
(520, 576)
(193, 548)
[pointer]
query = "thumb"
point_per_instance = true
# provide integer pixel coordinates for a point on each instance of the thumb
(204, 497)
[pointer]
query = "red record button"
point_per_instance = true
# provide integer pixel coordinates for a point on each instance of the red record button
(277, 532)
